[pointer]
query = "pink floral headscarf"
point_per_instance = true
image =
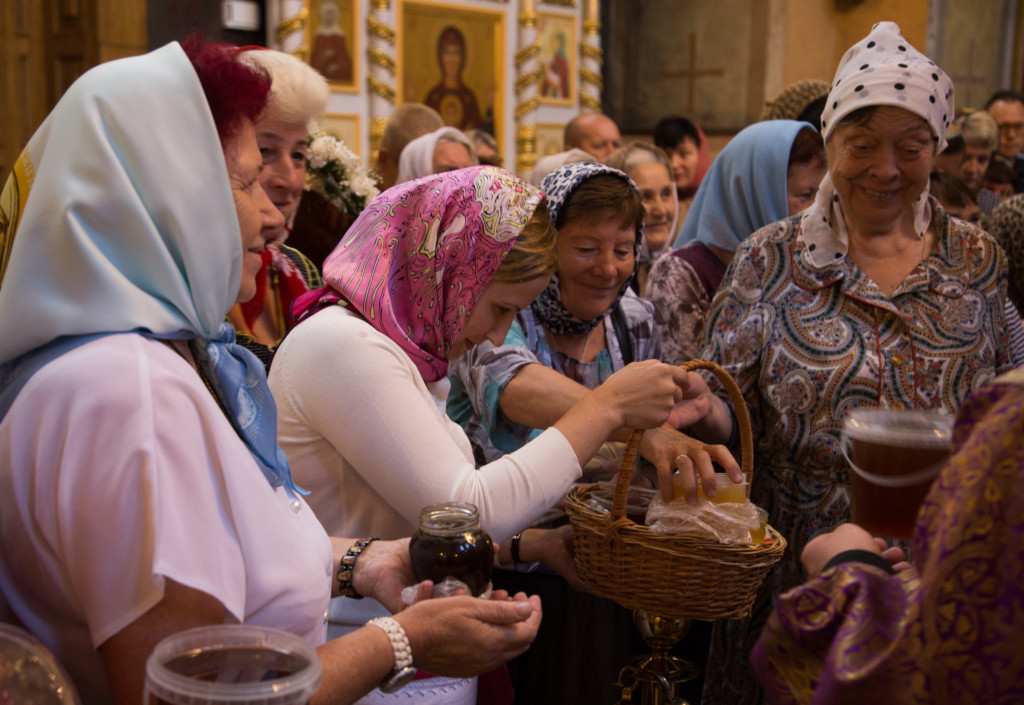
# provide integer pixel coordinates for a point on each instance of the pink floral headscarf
(418, 257)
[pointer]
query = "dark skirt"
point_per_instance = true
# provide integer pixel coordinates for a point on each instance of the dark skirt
(582, 644)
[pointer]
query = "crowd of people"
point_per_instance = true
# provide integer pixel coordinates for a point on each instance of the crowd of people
(200, 424)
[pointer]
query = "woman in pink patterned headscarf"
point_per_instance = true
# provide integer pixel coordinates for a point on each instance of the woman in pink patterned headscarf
(430, 269)
(415, 263)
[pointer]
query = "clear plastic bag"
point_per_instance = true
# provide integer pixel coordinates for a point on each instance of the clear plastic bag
(446, 588)
(725, 522)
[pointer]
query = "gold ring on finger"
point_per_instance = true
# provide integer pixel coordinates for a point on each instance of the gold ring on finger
(684, 456)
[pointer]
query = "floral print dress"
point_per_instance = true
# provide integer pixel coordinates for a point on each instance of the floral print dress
(807, 344)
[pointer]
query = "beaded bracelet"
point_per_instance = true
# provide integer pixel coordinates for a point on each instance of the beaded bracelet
(347, 568)
(399, 641)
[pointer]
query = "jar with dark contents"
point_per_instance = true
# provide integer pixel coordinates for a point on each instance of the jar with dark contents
(450, 543)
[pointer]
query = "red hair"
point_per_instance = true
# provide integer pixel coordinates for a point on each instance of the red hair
(234, 90)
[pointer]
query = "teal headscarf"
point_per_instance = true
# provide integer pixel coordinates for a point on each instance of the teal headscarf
(745, 188)
(119, 217)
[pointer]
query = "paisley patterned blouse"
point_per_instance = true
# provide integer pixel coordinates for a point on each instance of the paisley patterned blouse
(808, 344)
(949, 629)
(681, 285)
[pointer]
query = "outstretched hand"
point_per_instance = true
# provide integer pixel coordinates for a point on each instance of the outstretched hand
(643, 394)
(465, 636)
(847, 537)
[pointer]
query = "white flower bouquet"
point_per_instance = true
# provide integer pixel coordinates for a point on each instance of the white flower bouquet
(334, 171)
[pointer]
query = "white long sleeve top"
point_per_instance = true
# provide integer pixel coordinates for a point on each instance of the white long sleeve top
(369, 438)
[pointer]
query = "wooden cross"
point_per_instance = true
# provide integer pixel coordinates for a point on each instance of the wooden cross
(692, 73)
(960, 80)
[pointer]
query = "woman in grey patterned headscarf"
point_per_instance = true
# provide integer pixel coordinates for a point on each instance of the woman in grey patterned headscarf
(585, 325)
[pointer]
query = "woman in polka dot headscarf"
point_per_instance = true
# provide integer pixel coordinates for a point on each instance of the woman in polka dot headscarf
(872, 297)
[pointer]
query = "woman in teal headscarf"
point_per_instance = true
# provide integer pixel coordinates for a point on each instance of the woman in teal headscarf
(767, 171)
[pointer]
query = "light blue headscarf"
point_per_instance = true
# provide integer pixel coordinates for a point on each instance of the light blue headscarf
(745, 188)
(119, 217)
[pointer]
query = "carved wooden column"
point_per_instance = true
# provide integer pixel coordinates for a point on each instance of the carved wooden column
(380, 28)
(591, 59)
(528, 77)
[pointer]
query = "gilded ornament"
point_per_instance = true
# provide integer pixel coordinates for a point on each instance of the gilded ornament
(527, 106)
(588, 76)
(526, 143)
(378, 29)
(382, 59)
(380, 88)
(529, 79)
(527, 53)
(292, 24)
(590, 102)
(377, 127)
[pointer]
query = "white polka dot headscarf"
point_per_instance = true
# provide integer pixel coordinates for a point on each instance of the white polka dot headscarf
(884, 69)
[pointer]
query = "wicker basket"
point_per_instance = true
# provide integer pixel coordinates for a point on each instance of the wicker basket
(670, 575)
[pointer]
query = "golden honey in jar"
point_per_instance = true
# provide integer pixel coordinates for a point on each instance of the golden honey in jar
(726, 491)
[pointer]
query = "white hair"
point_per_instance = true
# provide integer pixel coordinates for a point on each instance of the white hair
(631, 156)
(979, 129)
(298, 93)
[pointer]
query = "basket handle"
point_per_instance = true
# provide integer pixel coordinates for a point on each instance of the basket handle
(618, 512)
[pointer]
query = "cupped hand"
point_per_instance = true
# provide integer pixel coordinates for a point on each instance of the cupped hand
(668, 449)
(465, 636)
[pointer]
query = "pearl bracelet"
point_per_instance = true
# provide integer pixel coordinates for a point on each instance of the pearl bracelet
(399, 641)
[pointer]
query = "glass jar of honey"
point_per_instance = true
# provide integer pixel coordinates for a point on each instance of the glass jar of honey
(451, 543)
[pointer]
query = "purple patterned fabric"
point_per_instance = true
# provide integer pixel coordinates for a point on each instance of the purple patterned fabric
(948, 630)
(418, 257)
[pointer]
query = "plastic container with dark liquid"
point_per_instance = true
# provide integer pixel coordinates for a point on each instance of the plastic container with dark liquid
(451, 543)
(894, 456)
(232, 665)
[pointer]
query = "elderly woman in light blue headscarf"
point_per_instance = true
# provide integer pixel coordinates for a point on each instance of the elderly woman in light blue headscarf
(766, 172)
(142, 490)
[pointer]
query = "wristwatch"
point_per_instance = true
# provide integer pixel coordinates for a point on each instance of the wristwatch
(403, 672)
